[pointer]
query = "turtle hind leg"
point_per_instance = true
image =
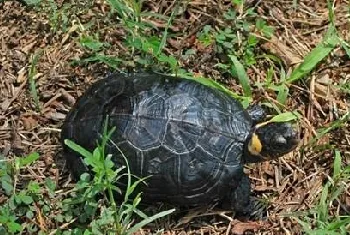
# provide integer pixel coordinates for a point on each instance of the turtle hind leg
(257, 113)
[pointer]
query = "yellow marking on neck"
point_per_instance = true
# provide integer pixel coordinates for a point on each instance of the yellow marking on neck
(255, 145)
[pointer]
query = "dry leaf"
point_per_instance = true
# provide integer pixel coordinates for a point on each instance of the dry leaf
(40, 218)
(6, 104)
(239, 228)
(29, 122)
(268, 169)
(347, 201)
(281, 50)
(68, 97)
(71, 30)
(28, 47)
(55, 116)
(21, 75)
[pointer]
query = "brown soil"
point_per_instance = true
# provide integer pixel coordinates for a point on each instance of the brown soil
(290, 184)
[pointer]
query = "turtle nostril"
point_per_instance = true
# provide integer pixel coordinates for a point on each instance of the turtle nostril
(294, 140)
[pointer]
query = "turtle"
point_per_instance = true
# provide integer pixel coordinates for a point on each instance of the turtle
(191, 140)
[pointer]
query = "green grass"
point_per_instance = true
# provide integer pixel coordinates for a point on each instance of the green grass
(321, 51)
(148, 50)
(339, 123)
(20, 201)
(81, 209)
(318, 220)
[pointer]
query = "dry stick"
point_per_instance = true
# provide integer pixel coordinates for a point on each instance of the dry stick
(229, 225)
(5, 105)
(63, 226)
(283, 25)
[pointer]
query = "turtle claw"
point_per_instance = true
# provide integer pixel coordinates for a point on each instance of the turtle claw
(258, 209)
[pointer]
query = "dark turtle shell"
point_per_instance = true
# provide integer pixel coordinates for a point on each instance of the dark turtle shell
(187, 136)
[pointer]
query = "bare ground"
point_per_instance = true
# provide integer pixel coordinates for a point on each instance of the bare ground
(290, 184)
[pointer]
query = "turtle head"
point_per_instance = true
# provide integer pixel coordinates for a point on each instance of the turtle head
(270, 140)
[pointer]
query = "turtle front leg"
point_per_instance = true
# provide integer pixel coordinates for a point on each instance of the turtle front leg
(244, 204)
(240, 197)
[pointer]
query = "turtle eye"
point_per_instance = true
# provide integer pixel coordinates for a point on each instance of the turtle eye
(280, 140)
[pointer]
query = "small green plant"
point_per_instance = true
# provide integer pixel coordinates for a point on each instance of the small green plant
(237, 43)
(59, 19)
(20, 202)
(90, 207)
(149, 47)
(96, 51)
(321, 51)
(238, 38)
(144, 50)
(310, 62)
(315, 56)
(109, 218)
(318, 220)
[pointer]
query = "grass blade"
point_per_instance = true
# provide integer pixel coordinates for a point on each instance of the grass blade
(144, 222)
(111, 61)
(283, 92)
(211, 83)
(90, 43)
(314, 57)
(337, 164)
(242, 76)
(85, 153)
(322, 206)
(165, 33)
(332, 126)
(285, 117)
